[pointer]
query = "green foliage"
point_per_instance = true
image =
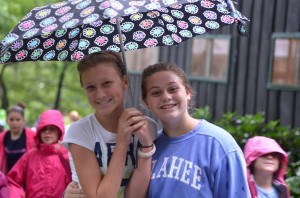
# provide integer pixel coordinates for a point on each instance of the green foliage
(12, 11)
(244, 127)
(35, 84)
(294, 184)
(203, 113)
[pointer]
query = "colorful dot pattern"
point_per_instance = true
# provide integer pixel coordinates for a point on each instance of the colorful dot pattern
(66, 31)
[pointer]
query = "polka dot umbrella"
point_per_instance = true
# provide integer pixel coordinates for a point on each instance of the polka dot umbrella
(68, 30)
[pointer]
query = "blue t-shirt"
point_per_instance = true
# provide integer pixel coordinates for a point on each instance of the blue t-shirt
(261, 193)
(206, 162)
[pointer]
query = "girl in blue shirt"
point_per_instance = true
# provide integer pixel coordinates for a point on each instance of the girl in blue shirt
(193, 158)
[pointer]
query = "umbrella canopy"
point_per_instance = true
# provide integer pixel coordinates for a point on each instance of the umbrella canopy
(66, 31)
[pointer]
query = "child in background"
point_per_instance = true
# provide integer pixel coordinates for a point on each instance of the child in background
(266, 166)
(73, 117)
(15, 141)
(45, 170)
(194, 158)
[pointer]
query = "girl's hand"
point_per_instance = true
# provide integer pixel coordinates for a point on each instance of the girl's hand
(73, 191)
(144, 134)
(131, 121)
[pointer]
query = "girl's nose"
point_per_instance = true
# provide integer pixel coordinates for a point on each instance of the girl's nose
(166, 96)
(99, 93)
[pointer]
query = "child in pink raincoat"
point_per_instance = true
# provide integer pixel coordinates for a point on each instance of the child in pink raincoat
(266, 165)
(44, 171)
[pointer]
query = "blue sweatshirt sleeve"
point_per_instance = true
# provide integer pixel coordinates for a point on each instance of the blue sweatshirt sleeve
(230, 177)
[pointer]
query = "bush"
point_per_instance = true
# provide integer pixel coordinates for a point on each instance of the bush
(294, 182)
(244, 127)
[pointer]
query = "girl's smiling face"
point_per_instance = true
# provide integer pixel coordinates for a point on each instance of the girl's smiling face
(167, 97)
(105, 88)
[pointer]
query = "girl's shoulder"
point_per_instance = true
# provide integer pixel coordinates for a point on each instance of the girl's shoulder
(218, 135)
(2, 134)
(84, 132)
(210, 129)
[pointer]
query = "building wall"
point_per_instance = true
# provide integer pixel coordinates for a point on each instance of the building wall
(246, 91)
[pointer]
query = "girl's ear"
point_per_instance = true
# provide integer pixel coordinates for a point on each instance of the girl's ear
(125, 82)
(188, 95)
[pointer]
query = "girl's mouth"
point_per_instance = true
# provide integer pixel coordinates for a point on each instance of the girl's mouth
(168, 106)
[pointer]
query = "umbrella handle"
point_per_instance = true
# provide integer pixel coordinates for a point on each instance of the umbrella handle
(124, 61)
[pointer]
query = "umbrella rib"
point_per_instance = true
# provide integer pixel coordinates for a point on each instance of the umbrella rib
(3, 49)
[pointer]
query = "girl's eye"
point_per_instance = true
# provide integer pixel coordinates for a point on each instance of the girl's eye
(173, 89)
(107, 83)
(14, 120)
(52, 129)
(155, 93)
(49, 129)
(89, 88)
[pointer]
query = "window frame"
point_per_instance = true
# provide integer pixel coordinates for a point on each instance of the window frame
(270, 84)
(205, 79)
(137, 72)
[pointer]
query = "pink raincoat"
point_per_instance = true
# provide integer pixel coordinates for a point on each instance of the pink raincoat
(29, 145)
(258, 146)
(3, 186)
(45, 170)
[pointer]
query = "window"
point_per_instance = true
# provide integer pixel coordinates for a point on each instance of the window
(210, 57)
(285, 61)
(137, 60)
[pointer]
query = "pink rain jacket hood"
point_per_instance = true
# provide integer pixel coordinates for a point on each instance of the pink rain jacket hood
(50, 117)
(45, 170)
(258, 146)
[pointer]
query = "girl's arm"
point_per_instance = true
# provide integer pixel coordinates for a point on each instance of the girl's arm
(232, 171)
(88, 171)
(92, 182)
(140, 180)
